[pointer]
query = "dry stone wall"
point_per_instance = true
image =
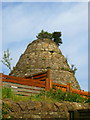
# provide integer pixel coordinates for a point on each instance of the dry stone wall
(36, 109)
(41, 55)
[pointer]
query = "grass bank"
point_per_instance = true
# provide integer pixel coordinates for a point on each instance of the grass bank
(49, 96)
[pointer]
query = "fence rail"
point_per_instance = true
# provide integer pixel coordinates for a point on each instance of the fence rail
(69, 88)
(25, 86)
(36, 83)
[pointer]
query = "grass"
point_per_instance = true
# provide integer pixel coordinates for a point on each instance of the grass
(9, 93)
(54, 95)
(58, 95)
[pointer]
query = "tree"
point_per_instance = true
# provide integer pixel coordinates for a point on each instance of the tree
(44, 34)
(6, 59)
(56, 36)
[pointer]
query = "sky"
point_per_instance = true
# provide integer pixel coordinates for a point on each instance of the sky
(45, 0)
(22, 21)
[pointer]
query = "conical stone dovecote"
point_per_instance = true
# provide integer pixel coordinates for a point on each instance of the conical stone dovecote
(41, 55)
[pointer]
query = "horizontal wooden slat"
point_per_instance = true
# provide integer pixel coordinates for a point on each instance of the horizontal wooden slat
(40, 79)
(14, 78)
(23, 87)
(23, 79)
(36, 80)
(24, 83)
(59, 85)
(28, 81)
(25, 94)
(38, 76)
(25, 90)
(80, 92)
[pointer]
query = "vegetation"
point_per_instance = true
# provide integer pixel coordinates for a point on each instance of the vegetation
(73, 68)
(6, 60)
(53, 95)
(44, 34)
(54, 36)
(5, 109)
(66, 69)
(8, 93)
(59, 95)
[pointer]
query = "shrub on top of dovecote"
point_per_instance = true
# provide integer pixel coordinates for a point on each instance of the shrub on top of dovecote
(53, 36)
(56, 36)
(44, 34)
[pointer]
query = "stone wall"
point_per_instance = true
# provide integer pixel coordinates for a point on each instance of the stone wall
(41, 55)
(32, 109)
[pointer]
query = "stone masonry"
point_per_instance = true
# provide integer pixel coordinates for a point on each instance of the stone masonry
(41, 110)
(41, 55)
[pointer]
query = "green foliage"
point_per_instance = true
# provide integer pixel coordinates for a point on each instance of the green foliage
(58, 95)
(44, 34)
(66, 69)
(57, 39)
(88, 100)
(54, 36)
(0, 93)
(54, 95)
(7, 92)
(6, 59)
(73, 68)
(72, 97)
(5, 109)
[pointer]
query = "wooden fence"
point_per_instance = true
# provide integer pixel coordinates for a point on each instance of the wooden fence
(69, 88)
(25, 86)
(36, 83)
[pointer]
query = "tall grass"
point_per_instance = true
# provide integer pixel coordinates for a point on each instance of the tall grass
(58, 95)
(54, 95)
(9, 93)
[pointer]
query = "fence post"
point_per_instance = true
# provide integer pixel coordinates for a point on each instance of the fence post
(48, 84)
(1, 79)
(69, 87)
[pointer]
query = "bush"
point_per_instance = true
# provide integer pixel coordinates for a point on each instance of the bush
(54, 36)
(73, 68)
(88, 100)
(59, 95)
(57, 39)
(44, 34)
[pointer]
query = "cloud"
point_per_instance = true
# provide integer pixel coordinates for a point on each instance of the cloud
(20, 21)
(23, 21)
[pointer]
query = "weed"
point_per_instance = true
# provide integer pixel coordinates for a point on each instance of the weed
(49, 96)
(58, 95)
(7, 92)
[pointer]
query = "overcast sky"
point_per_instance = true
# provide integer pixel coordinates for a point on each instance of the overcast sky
(22, 21)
